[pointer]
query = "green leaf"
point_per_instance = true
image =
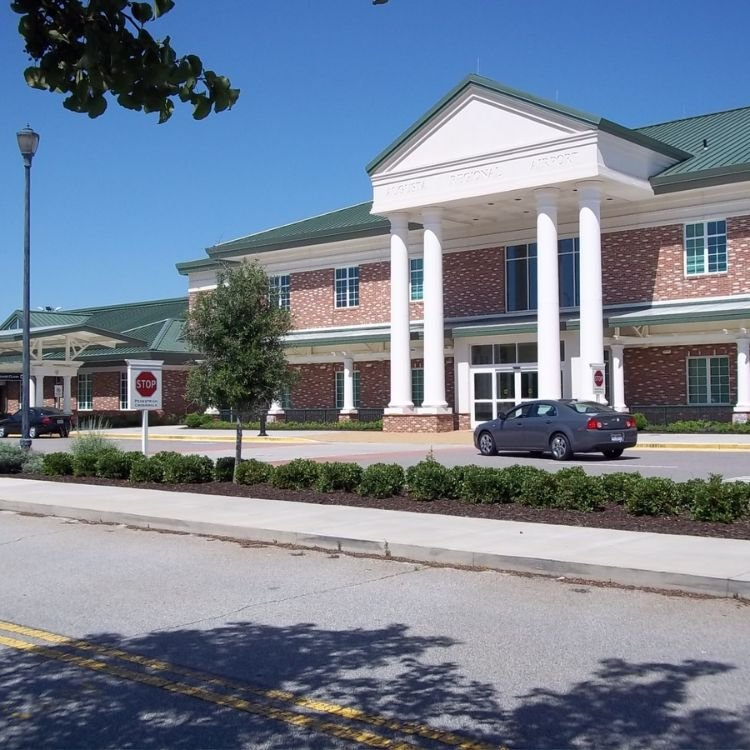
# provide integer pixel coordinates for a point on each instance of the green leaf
(142, 12)
(202, 107)
(163, 6)
(97, 106)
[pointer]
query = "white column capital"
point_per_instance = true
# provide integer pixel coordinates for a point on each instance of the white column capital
(589, 191)
(432, 217)
(546, 198)
(617, 349)
(399, 224)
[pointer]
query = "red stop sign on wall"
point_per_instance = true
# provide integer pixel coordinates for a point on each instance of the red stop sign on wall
(598, 378)
(145, 383)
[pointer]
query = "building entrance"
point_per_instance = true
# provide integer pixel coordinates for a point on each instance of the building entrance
(496, 390)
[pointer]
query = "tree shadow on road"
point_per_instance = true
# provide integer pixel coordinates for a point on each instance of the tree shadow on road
(385, 671)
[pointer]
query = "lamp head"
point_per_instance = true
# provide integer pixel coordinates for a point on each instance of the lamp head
(28, 141)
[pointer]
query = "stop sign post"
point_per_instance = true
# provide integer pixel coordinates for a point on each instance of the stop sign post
(598, 380)
(144, 391)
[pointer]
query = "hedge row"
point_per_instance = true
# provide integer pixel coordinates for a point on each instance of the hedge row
(208, 422)
(690, 426)
(569, 489)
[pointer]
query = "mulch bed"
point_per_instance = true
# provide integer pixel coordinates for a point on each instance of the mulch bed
(611, 517)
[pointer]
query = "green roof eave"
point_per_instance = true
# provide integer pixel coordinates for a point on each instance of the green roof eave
(487, 83)
(248, 247)
(705, 178)
(189, 266)
(679, 319)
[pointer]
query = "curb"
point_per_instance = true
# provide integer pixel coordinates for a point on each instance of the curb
(737, 447)
(640, 578)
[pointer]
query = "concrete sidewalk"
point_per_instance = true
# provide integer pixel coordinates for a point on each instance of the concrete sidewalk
(720, 567)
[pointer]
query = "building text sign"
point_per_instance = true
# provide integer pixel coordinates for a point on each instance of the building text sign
(144, 384)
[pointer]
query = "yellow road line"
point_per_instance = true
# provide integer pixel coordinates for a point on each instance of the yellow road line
(291, 440)
(352, 714)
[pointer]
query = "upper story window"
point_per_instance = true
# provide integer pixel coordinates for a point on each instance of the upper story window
(521, 275)
(705, 247)
(347, 286)
(416, 279)
(278, 287)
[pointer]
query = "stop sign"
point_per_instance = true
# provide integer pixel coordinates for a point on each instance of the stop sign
(598, 378)
(145, 383)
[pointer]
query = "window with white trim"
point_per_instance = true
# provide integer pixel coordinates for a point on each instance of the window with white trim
(416, 279)
(278, 289)
(705, 248)
(285, 397)
(340, 389)
(124, 390)
(347, 286)
(417, 386)
(85, 391)
(708, 380)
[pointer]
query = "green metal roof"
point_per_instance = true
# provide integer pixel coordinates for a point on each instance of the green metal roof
(719, 144)
(688, 312)
(595, 121)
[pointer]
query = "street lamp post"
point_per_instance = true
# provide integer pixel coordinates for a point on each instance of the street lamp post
(28, 141)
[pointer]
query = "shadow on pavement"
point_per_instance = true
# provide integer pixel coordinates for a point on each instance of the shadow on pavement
(384, 671)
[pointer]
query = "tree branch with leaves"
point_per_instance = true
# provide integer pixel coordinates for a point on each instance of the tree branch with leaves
(238, 328)
(88, 50)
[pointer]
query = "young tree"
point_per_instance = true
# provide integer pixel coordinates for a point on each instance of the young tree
(86, 50)
(238, 329)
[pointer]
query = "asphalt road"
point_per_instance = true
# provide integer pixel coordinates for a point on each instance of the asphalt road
(678, 464)
(186, 642)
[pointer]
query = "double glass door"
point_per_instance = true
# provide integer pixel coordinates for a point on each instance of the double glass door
(496, 390)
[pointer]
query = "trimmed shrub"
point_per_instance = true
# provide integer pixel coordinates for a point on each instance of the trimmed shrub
(641, 423)
(717, 501)
(146, 470)
(577, 490)
(85, 462)
(428, 480)
(482, 484)
(338, 475)
(160, 461)
(33, 464)
(652, 496)
(456, 479)
(616, 486)
(57, 464)
(382, 480)
(253, 471)
(538, 488)
(115, 465)
(515, 477)
(299, 474)
(196, 419)
(11, 459)
(188, 469)
(224, 469)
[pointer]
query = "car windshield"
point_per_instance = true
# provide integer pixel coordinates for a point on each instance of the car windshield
(588, 407)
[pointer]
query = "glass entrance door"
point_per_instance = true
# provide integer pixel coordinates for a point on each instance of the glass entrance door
(496, 390)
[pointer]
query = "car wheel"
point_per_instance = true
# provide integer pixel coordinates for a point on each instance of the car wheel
(2, 432)
(63, 432)
(487, 445)
(33, 432)
(612, 452)
(560, 447)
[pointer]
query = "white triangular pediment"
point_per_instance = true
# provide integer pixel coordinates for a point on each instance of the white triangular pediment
(480, 123)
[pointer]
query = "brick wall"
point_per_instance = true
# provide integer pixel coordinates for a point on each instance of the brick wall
(474, 282)
(658, 375)
(645, 264)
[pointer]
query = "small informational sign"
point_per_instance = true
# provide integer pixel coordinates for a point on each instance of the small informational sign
(598, 379)
(12, 377)
(144, 385)
(58, 391)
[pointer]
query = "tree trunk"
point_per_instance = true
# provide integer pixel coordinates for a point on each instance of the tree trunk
(263, 419)
(237, 447)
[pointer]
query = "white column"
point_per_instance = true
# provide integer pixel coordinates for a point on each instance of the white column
(590, 283)
(39, 389)
(348, 386)
(548, 294)
(743, 376)
(618, 377)
(400, 402)
(32, 391)
(276, 407)
(434, 324)
(66, 393)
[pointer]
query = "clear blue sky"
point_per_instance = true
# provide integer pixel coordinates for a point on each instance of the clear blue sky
(117, 201)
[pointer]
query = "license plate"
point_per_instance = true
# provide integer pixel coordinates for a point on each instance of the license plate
(60, 421)
(617, 437)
